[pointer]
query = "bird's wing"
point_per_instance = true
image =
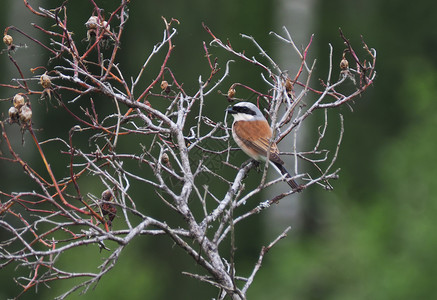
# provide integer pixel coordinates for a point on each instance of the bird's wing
(262, 145)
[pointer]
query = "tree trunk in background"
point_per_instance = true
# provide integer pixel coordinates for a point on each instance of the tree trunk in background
(297, 16)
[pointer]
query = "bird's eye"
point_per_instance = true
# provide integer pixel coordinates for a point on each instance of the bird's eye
(244, 110)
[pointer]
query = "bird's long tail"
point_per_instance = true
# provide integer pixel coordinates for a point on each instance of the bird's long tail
(291, 182)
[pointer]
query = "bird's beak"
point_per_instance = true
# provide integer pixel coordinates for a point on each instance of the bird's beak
(230, 110)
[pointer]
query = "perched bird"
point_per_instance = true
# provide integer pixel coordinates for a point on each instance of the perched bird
(253, 134)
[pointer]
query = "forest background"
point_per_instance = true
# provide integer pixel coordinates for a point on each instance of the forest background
(373, 236)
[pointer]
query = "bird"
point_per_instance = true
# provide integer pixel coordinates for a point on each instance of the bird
(253, 135)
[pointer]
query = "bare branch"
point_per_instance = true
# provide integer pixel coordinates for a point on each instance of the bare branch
(180, 147)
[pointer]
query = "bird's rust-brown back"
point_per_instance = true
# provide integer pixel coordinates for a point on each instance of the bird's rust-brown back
(255, 135)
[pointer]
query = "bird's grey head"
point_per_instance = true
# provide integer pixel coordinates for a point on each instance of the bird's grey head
(245, 111)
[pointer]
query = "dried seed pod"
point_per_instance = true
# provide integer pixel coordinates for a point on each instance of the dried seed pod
(106, 26)
(45, 81)
(165, 159)
(108, 209)
(165, 86)
(13, 114)
(231, 92)
(92, 22)
(25, 114)
(344, 64)
(107, 195)
(288, 85)
(8, 40)
(18, 101)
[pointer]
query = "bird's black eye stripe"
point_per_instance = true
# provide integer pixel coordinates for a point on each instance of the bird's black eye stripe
(244, 110)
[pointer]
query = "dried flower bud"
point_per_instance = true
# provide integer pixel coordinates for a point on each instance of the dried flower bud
(231, 92)
(25, 114)
(344, 64)
(18, 101)
(13, 114)
(8, 40)
(45, 81)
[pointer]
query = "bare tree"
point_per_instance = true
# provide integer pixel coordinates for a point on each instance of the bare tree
(44, 223)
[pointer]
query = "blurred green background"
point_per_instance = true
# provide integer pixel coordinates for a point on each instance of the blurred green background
(373, 237)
